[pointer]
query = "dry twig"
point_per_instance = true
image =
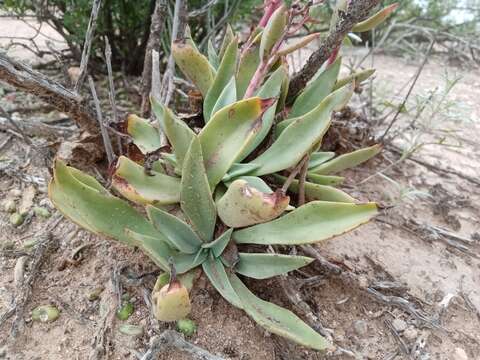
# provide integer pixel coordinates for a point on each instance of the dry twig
(92, 24)
(171, 338)
(153, 44)
(64, 100)
(103, 130)
(111, 93)
(178, 30)
(356, 11)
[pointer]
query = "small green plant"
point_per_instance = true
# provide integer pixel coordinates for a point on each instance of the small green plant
(218, 190)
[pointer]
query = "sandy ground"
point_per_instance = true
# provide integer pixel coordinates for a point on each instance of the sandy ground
(439, 280)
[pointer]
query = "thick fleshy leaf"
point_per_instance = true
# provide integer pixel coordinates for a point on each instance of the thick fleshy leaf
(357, 76)
(255, 182)
(270, 89)
(225, 73)
(320, 157)
(376, 19)
(304, 41)
(346, 161)
(316, 90)
(227, 39)
(212, 55)
(155, 247)
(171, 302)
(247, 66)
(177, 132)
(264, 266)
(238, 169)
(243, 205)
(301, 135)
(217, 275)
(325, 179)
(187, 262)
(161, 253)
(180, 236)
(144, 135)
(282, 99)
(228, 132)
(273, 31)
(194, 65)
(228, 96)
(319, 192)
(131, 180)
(219, 244)
(94, 209)
(276, 319)
(195, 196)
(312, 222)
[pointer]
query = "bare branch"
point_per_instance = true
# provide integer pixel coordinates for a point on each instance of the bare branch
(171, 338)
(178, 30)
(64, 100)
(405, 99)
(111, 93)
(92, 24)
(154, 43)
(356, 11)
(106, 138)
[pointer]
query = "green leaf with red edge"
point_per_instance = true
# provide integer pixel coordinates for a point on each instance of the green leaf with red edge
(194, 65)
(243, 205)
(144, 134)
(273, 31)
(84, 201)
(376, 19)
(131, 180)
(177, 132)
(301, 136)
(228, 133)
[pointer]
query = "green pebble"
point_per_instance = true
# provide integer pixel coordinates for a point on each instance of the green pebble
(45, 313)
(186, 326)
(41, 212)
(125, 311)
(95, 294)
(30, 243)
(131, 330)
(16, 219)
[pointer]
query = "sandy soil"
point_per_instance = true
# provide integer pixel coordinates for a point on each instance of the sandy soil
(431, 271)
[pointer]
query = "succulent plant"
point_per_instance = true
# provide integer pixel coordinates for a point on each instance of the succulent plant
(217, 190)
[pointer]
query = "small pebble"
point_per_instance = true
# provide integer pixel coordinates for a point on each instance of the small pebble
(45, 313)
(460, 354)
(15, 192)
(95, 294)
(3, 352)
(16, 219)
(360, 327)
(125, 311)
(399, 325)
(410, 333)
(9, 206)
(131, 330)
(41, 212)
(187, 327)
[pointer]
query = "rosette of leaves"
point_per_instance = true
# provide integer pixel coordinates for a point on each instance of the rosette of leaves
(215, 191)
